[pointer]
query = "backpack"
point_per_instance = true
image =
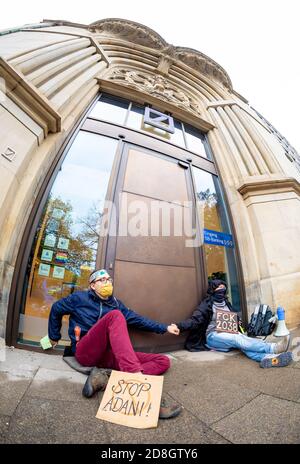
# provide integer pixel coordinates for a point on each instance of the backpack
(259, 324)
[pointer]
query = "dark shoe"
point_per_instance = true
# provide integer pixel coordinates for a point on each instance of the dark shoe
(277, 360)
(167, 411)
(283, 345)
(97, 380)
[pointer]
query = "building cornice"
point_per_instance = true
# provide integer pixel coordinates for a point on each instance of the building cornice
(30, 100)
(269, 185)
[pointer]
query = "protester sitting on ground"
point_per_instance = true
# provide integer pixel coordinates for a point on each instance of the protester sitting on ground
(99, 336)
(204, 333)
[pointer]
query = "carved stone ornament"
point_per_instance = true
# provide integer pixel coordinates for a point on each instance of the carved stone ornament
(156, 86)
(203, 64)
(129, 31)
(139, 34)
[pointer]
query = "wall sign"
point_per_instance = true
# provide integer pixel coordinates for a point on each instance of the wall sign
(63, 243)
(52, 225)
(47, 255)
(50, 240)
(213, 237)
(44, 269)
(58, 272)
(157, 119)
(9, 154)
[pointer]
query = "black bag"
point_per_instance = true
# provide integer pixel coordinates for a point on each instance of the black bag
(259, 324)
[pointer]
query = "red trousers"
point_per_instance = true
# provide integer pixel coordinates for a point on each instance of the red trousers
(107, 344)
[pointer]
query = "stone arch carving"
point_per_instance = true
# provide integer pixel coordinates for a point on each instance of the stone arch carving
(129, 31)
(203, 64)
(139, 34)
(157, 86)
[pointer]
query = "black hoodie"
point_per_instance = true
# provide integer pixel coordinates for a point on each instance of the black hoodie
(201, 317)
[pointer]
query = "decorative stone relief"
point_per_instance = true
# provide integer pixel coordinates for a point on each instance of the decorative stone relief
(201, 63)
(139, 34)
(129, 31)
(157, 86)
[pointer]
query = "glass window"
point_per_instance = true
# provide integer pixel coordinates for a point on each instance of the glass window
(136, 121)
(194, 140)
(110, 109)
(220, 260)
(66, 241)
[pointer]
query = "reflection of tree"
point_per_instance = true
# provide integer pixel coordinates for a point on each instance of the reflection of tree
(214, 254)
(207, 196)
(91, 223)
(79, 253)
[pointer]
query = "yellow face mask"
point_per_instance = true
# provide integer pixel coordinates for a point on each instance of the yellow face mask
(106, 290)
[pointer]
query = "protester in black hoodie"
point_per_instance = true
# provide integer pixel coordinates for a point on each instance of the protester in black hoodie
(204, 333)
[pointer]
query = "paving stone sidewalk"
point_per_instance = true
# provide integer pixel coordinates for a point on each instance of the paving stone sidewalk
(227, 398)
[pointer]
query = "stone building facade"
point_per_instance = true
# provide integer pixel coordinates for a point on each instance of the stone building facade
(52, 76)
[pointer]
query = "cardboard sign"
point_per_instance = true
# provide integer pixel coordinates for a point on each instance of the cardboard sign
(226, 321)
(132, 400)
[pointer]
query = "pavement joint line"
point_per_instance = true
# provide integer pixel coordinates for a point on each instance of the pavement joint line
(237, 409)
(201, 421)
(55, 399)
(280, 398)
(20, 401)
(252, 399)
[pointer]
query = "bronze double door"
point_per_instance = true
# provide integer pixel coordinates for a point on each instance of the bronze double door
(156, 273)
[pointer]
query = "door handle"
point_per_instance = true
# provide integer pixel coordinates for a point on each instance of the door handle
(183, 164)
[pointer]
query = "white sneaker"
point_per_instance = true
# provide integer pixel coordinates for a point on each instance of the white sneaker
(283, 345)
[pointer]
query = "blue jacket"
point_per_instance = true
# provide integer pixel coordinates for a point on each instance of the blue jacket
(86, 308)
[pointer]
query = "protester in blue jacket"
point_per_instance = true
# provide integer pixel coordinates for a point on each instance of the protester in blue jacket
(99, 335)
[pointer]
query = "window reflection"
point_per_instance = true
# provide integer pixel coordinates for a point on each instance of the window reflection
(110, 109)
(116, 110)
(194, 140)
(66, 240)
(220, 260)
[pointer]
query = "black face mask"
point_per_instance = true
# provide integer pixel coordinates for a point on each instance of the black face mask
(219, 295)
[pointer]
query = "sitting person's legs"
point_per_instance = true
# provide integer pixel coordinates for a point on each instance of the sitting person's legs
(108, 346)
(268, 354)
(108, 335)
(254, 348)
(153, 364)
(150, 363)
